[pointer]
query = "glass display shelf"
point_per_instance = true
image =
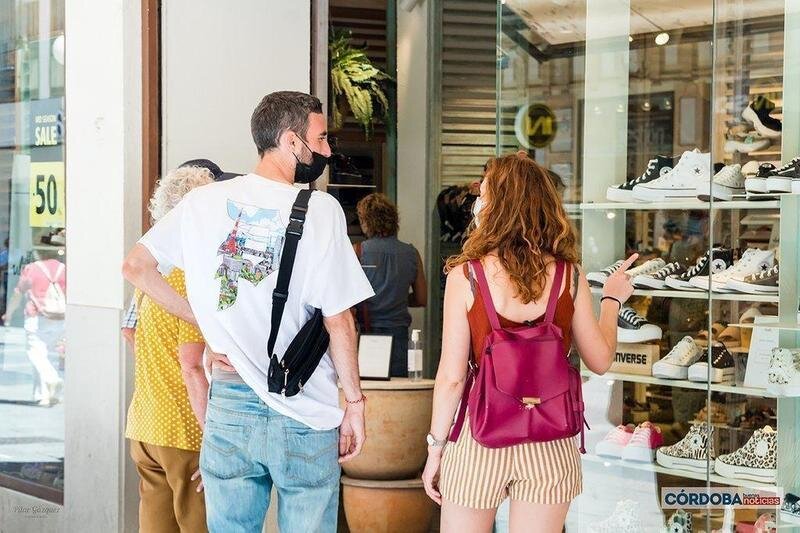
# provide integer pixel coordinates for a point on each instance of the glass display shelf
(679, 383)
(700, 295)
(655, 467)
(688, 204)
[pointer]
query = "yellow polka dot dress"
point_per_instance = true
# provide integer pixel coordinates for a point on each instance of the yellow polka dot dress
(160, 412)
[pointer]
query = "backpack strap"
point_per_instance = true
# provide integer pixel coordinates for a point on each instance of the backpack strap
(47, 274)
(575, 280)
(555, 292)
(483, 286)
(281, 293)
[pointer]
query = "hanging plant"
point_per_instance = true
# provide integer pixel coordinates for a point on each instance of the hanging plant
(356, 84)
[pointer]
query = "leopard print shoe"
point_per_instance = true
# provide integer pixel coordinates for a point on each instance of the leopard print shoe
(756, 460)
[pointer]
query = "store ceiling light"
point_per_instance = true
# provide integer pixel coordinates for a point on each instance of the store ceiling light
(662, 38)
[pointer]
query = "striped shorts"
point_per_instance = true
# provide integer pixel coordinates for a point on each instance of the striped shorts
(536, 472)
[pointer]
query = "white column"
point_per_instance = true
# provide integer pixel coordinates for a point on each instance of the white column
(103, 156)
(412, 131)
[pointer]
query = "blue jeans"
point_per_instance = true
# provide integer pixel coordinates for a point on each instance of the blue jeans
(247, 447)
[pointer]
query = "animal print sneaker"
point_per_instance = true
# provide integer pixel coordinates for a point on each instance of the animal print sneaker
(624, 520)
(783, 378)
(692, 452)
(756, 460)
(679, 522)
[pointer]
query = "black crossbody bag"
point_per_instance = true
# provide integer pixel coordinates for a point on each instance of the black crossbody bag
(288, 375)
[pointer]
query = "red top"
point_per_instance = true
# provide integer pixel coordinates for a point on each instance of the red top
(479, 326)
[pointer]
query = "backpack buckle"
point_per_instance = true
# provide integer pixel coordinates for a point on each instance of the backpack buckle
(531, 401)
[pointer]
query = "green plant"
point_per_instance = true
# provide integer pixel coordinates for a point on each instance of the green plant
(355, 83)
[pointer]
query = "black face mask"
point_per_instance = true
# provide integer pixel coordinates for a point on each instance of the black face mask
(305, 172)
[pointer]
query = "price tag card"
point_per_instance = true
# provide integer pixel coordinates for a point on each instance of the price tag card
(47, 195)
(374, 355)
(764, 340)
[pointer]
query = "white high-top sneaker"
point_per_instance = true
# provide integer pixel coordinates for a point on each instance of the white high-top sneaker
(752, 261)
(692, 171)
(624, 520)
(783, 377)
(727, 183)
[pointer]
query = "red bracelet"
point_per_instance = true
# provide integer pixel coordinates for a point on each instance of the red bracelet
(362, 399)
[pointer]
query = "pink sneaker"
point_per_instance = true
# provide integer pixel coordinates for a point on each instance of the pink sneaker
(615, 441)
(642, 446)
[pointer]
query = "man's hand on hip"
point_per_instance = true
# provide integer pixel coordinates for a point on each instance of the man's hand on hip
(351, 433)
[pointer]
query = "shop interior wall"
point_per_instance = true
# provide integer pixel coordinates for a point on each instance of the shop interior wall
(218, 60)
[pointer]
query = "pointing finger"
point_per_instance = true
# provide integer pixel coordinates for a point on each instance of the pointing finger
(628, 262)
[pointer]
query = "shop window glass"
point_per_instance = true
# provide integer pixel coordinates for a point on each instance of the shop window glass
(32, 247)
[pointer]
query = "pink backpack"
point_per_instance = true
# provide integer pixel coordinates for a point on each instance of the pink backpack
(525, 390)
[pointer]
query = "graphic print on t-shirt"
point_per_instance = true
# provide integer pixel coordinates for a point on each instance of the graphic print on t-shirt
(252, 250)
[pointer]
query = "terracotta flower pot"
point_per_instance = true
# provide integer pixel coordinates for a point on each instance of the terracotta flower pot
(398, 418)
(386, 506)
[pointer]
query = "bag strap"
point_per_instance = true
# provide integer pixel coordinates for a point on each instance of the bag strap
(294, 231)
(555, 292)
(486, 296)
(52, 279)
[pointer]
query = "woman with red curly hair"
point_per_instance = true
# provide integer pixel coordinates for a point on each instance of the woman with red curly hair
(394, 270)
(521, 235)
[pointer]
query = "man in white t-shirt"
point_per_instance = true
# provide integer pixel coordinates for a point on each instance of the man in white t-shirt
(228, 238)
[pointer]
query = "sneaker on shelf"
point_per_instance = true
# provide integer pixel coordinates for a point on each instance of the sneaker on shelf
(691, 452)
(716, 260)
(598, 279)
(757, 113)
(633, 328)
(790, 508)
(748, 143)
(692, 170)
(757, 184)
(625, 519)
(726, 184)
(723, 367)
(643, 444)
(783, 376)
(750, 168)
(679, 522)
(656, 168)
(764, 282)
(656, 279)
(648, 267)
(756, 460)
(782, 179)
(753, 261)
(615, 441)
(675, 365)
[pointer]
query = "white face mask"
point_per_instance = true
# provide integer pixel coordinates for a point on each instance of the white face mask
(476, 209)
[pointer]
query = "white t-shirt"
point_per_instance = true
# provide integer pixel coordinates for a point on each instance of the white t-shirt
(228, 238)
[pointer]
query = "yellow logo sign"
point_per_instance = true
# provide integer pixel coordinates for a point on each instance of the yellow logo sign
(535, 126)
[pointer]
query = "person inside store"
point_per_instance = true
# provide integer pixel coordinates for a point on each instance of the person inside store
(394, 269)
(167, 411)
(518, 271)
(229, 238)
(42, 288)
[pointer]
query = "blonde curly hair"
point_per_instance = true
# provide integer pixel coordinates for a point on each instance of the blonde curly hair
(172, 187)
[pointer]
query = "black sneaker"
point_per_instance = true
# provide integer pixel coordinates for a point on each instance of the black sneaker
(632, 328)
(598, 279)
(755, 185)
(656, 168)
(790, 509)
(723, 367)
(781, 179)
(713, 262)
(656, 280)
(758, 114)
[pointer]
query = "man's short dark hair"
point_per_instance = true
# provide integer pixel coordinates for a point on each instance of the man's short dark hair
(278, 112)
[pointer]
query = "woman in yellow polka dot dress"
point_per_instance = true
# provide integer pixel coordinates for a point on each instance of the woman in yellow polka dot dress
(168, 407)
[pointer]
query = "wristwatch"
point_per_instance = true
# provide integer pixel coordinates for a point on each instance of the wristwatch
(435, 443)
